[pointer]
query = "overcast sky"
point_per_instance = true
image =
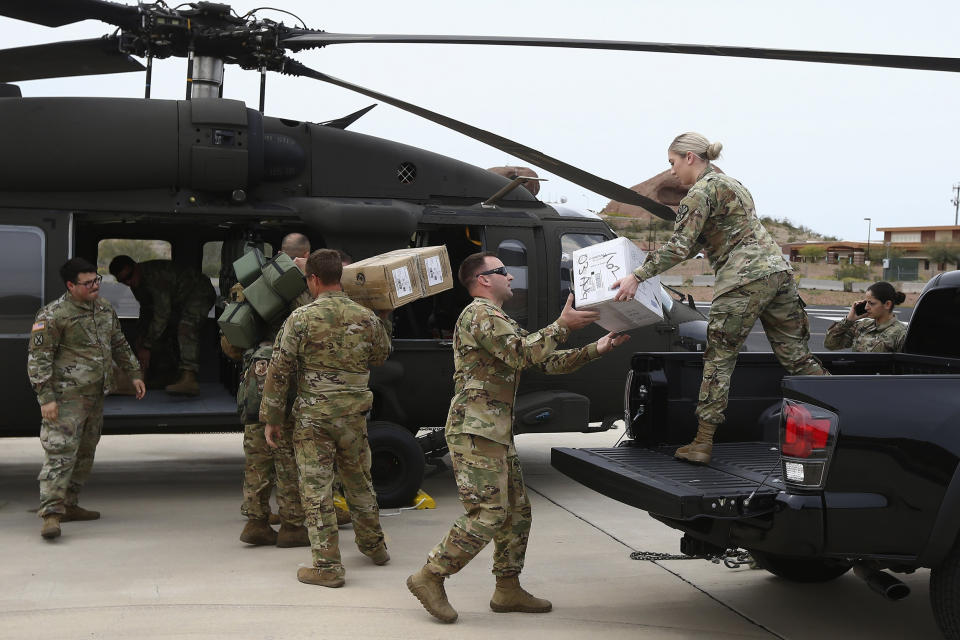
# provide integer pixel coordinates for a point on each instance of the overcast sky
(822, 145)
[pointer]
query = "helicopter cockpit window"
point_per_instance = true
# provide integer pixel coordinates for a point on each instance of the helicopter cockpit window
(21, 289)
(570, 242)
(118, 294)
(513, 253)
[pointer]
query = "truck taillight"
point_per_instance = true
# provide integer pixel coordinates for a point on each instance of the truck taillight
(807, 434)
(802, 433)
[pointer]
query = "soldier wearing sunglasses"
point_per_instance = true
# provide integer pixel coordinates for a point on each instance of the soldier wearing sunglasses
(489, 352)
(73, 344)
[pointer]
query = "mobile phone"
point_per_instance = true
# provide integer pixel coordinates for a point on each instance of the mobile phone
(860, 308)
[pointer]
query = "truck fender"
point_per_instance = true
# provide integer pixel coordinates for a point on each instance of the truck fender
(945, 528)
(386, 404)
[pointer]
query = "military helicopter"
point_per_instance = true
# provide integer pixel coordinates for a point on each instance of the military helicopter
(206, 173)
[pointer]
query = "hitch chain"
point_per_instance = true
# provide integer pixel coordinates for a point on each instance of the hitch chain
(731, 558)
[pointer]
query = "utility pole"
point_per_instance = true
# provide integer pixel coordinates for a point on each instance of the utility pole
(956, 202)
(868, 240)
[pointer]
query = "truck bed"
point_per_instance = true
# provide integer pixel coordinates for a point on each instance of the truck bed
(742, 479)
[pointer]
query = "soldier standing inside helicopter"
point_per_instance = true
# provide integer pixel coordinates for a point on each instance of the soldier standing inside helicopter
(168, 293)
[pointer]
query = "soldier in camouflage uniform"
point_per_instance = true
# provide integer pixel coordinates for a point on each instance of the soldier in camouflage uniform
(753, 280)
(489, 351)
(330, 345)
(73, 344)
(264, 466)
(876, 330)
(168, 291)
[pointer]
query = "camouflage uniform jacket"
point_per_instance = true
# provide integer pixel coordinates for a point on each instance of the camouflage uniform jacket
(718, 214)
(255, 362)
(866, 335)
(73, 345)
(164, 287)
(489, 352)
(330, 345)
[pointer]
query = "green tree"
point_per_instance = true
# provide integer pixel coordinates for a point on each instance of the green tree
(942, 253)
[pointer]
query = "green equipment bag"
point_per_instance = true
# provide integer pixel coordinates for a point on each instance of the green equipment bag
(284, 277)
(265, 301)
(248, 267)
(241, 325)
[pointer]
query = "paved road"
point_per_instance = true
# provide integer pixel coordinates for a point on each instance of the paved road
(820, 320)
(165, 562)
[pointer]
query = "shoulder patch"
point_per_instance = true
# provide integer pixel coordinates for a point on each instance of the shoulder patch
(39, 326)
(260, 368)
(38, 339)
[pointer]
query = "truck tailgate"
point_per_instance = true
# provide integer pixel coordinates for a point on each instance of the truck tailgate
(741, 480)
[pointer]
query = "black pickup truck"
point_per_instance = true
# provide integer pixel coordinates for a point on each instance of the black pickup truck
(812, 475)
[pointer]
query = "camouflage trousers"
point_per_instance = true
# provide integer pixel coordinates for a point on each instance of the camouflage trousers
(192, 315)
(69, 444)
(490, 483)
(262, 467)
(319, 444)
(775, 301)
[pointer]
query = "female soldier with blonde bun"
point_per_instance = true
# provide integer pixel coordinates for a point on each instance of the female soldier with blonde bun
(875, 328)
(753, 280)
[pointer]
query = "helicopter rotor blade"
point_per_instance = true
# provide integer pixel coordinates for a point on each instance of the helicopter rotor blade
(303, 39)
(56, 13)
(569, 172)
(64, 59)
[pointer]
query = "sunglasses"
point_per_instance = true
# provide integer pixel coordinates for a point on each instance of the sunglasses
(499, 270)
(89, 284)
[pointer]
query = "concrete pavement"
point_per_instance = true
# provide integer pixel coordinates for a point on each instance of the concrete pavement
(165, 561)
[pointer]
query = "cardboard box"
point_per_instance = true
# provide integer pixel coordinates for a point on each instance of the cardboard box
(434, 266)
(597, 267)
(383, 282)
(241, 325)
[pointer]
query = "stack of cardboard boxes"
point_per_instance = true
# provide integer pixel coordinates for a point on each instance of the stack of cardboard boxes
(393, 279)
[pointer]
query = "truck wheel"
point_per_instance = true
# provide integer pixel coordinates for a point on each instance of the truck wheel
(396, 464)
(945, 594)
(800, 569)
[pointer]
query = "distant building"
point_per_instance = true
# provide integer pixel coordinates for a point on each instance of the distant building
(911, 242)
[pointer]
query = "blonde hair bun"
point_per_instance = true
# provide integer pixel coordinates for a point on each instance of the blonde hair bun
(698, 144)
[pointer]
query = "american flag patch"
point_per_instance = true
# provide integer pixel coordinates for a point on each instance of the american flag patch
(39, 326)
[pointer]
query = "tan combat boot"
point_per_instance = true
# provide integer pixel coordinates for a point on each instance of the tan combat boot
(510, 596)
(428, 588)
(312, 575)
(258, 532)
(274, 518)
(292, 536)
(700, 450)
(50, 528)
(186, 385)
(380, 557)
(76, 512)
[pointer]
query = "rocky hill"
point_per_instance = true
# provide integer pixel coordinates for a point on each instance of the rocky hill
(648, 231)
